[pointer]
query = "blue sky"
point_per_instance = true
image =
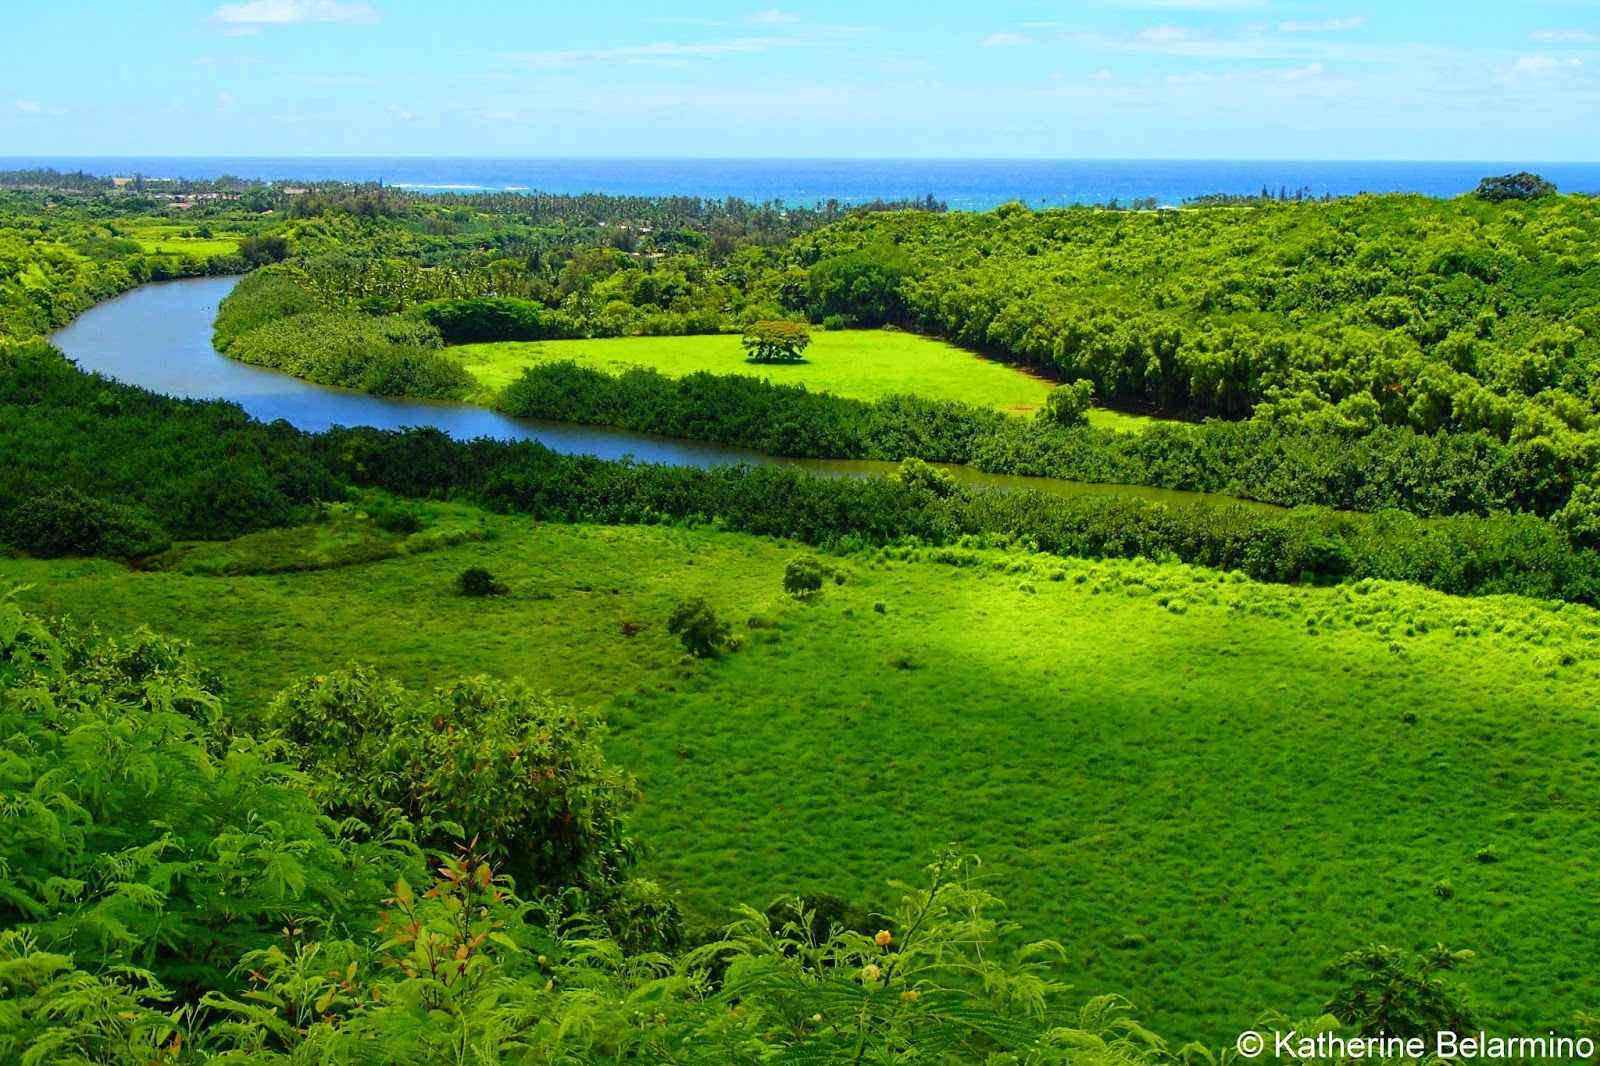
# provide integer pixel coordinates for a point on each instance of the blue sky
(1256, 79)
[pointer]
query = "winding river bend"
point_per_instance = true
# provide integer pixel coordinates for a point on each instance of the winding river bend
(159, 338)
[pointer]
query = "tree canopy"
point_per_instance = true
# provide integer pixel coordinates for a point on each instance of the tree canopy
(776, 341)
(1519, 186)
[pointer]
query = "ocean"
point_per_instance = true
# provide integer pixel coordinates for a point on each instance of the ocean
(965, 184)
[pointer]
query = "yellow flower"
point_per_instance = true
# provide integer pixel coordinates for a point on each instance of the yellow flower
(870, 973)
(909, 993)
(883, 938)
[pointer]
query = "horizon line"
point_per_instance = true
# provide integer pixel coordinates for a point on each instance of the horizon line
(805, 159)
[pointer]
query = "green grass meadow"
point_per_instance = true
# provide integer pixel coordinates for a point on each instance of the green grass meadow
(1205, 788)
(167, 238)
(855, 364)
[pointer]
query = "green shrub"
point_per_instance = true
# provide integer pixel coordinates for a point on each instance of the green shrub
(396, 519)
(697, 626)
(1068, 405)
(803, 575)
(862, 283)
(387, 355)
(820, 916)
(476, 581)
(480, 758)
(259, 298)
(834, 323)
(66, 522)
(262, 250)
(642, 917)
(495, 319)
(139, 839)
(1396, 993)
(916, 474)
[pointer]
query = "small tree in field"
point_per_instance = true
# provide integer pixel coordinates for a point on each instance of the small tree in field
(776, 341)
(803, 575)
(698, 627)
(476, 581)
(1068, 405)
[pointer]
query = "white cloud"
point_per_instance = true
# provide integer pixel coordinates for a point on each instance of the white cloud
(1355, 22)
(1004, 38)
(1197, 5)
(248, 16)
(1564, 36)
(658, 53)
(29, 107)
(1165, 35)
(772, 17)
(224, 98)
(1310, 70)
(399, 112)
(1543, 66)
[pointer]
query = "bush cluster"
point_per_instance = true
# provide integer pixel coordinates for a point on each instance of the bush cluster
(696, 625)
(389, 355)
(66, 522)
(115, 459)
(1391, 467)
(495, 319)
(1464, 554)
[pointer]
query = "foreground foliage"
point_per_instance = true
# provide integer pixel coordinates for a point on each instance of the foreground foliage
(173, 891)
(1114, 738)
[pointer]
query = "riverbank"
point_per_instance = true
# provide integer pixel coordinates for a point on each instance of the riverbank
(158, 337)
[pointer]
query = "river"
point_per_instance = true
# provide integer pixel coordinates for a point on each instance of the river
(159, 337)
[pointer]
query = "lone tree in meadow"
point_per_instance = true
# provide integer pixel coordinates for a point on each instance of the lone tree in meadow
(1068, 405)
(1523, 186)
(776, 341)
(695, 624)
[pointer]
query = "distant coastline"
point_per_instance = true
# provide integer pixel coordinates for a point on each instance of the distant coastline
(965, 184)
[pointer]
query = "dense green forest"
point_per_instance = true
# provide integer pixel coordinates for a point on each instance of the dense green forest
(354, 869)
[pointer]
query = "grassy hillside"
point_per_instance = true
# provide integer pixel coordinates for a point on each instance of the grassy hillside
(1205, 788)
(178, 238)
